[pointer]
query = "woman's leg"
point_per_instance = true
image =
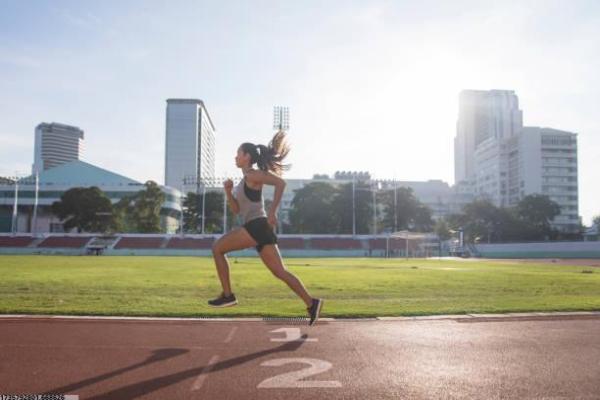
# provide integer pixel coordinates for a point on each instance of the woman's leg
(237, 239)
(272, 259)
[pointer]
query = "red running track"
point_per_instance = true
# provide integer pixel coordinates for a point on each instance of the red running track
(485, 358)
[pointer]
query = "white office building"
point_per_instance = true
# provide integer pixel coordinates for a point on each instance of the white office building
(489, 172)
(482, 116)
(500, 160)
(56, 144)
(190, 145)
(544, 161)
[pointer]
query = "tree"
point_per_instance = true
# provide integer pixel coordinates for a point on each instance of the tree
(140, 212)
(123, 215)
(312, 209)
(213, 212)
(481, 220)
(87, 209)
(409, 212)
(596, 220)
(538, 211)
(442, 230)
(342, 209)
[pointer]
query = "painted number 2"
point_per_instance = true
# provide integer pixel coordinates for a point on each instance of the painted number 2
(293, 379)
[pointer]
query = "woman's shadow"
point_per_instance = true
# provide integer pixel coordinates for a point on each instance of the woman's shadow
(144, 387)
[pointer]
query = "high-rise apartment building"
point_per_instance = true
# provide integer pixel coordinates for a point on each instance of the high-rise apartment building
(190, 145)
(56, 144)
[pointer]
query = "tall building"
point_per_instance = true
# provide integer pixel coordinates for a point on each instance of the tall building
(544, 161)
(56, 144)
(190, 145)
(482, 115)
(498, 159)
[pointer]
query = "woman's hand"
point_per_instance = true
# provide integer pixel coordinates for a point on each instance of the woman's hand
(228, 185)
(272, 218)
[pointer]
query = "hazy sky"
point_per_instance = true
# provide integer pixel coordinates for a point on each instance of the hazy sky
(371, 86)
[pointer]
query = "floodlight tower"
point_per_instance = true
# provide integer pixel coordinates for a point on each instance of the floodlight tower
(281, 122)
(281, 118)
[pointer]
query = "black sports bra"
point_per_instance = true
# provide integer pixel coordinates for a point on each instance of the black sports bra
(252, 194)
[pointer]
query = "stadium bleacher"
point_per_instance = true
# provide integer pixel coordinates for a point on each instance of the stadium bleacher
(335, 244)
(15, 241)
(190, 243)
(377, 244)
(65, 241)
(132, 242)
(291, 243)
(202, 244)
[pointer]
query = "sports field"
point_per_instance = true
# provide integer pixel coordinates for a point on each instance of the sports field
(352, 287)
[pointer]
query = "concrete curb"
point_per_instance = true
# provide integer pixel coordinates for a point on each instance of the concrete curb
(291, 319)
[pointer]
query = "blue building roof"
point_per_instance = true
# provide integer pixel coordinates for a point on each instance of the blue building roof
(81, 173)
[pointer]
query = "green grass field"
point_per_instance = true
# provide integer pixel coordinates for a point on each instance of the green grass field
(352, 287)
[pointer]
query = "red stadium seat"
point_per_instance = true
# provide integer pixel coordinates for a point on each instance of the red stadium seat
(378, 244)
(335, 244)
(190, 243)
(129, 242)
(290, 243)
(15, 241)
(65, 241)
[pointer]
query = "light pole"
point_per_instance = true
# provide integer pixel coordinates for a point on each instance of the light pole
(281, 122)
(23, 181)
(186, 180)
(197, 182)
(374, 211)
(375, 186)
(409, 226)
(224, 212)
(353, 207)
(208, 183)
(395, 207)
(203, 203)
(13, 227)
(181, 216)
(35, 203)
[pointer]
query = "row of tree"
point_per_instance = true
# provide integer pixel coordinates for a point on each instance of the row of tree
(482, 221)
(193, 205)
(318, 207)
(90, 210)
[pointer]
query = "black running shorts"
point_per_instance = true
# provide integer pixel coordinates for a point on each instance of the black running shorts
(261, 231)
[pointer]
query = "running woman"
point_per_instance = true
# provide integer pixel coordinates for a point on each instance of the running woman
(259, 227)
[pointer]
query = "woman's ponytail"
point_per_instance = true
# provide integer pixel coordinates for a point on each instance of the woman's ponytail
(269, 158)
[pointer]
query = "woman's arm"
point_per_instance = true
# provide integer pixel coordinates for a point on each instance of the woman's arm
(231, 201)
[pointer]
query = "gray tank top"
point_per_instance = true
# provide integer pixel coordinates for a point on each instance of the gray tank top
(249, 208)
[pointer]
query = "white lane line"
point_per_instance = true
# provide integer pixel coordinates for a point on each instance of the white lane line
(200, 380)
(33, 317)
(230, 336)
(125, 318)
(93, 346)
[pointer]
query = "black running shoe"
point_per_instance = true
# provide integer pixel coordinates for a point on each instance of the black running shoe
(314, 310)
(223, 301)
